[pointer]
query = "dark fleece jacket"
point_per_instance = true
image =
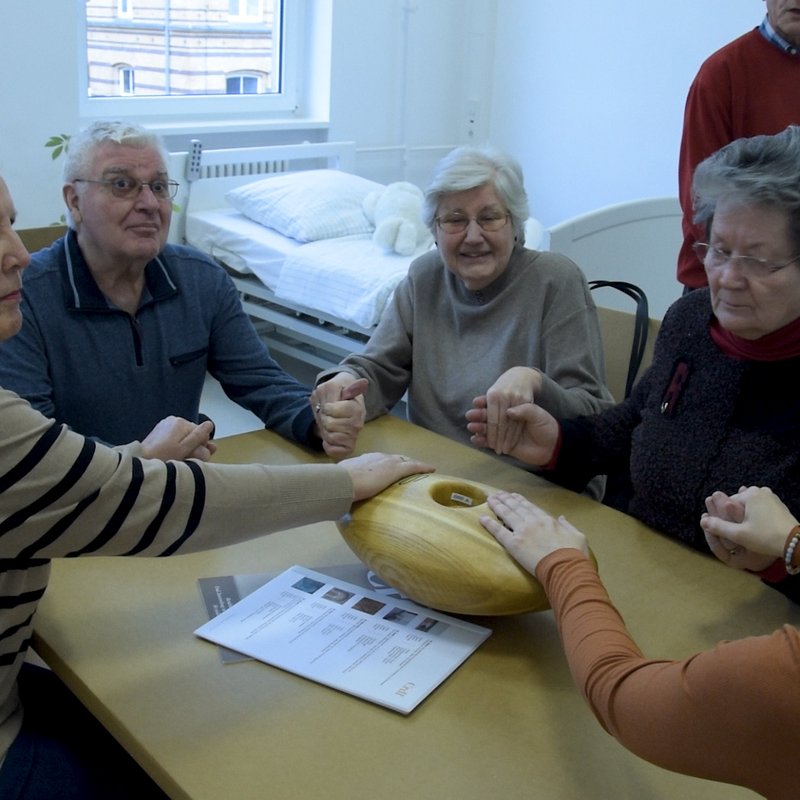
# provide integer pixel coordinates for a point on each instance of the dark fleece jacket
(697, 421)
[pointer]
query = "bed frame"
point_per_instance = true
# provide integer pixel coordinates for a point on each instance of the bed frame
(636, 242)
(303, 334)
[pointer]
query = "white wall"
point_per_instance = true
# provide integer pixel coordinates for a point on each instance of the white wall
(402, 74)
(38, 62)
(589, 95)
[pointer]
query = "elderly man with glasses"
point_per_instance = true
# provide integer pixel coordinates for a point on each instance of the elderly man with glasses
(120, 328)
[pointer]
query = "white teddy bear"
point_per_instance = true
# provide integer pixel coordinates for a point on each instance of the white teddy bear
(396, 213)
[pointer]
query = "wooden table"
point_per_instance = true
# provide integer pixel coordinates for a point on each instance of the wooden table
(507, 724)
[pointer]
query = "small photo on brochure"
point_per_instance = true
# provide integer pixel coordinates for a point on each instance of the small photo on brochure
(337, 595)
(307, 585)
(368, 606)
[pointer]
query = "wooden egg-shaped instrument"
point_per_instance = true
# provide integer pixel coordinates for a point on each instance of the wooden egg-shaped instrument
(423, 537)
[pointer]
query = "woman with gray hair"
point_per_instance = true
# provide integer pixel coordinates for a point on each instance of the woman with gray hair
(714, 411)
(478, 315)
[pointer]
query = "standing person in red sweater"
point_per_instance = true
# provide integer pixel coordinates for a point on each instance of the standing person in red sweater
(749, 87)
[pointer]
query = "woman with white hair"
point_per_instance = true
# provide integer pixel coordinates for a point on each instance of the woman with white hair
(479, 315)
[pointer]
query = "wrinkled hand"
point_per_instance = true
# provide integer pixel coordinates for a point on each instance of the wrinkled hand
(537, 441)
(528, 533)
(373, 472)
(339, 412)
(514, 387)
(177, 438)
(747, 530)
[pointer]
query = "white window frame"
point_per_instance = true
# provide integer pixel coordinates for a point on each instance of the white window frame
(157, 111)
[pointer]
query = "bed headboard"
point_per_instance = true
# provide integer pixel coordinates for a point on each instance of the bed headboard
(206, 175)
(636, 241)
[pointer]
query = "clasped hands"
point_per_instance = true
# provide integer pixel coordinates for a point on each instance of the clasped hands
(747, 530)
(339, 412)
(507, 420)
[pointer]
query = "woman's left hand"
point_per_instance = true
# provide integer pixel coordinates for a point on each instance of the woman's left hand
(527, 532)
(514, 387)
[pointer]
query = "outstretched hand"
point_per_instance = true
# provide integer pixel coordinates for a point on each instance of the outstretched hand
(537, 441)
(373, 472)
(528, 533)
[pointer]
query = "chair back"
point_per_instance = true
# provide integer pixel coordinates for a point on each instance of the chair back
(628, 338)
(38, 238)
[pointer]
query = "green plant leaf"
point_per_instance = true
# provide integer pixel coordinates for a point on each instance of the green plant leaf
(59, 144)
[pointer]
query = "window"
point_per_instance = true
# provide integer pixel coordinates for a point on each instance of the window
(243, 84)
(190, 56)
(125, 79)
(245, 9)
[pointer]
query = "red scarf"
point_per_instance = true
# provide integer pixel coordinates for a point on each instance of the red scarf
(776, 346)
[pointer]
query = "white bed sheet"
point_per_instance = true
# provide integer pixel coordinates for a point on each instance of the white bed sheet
(241, 244)
(348, 277)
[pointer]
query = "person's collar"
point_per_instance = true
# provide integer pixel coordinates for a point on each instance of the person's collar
(82, 291)
(779, 345)
(772, 36)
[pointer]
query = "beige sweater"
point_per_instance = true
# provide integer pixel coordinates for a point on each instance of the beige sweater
(62, 495)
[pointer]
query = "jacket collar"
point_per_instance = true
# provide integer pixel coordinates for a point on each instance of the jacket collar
(81, 292)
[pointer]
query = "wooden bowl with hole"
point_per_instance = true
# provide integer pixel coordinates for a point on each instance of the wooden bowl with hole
(423, 537)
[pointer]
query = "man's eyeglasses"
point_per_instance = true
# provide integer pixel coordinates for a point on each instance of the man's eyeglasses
(715, 257)
(457, 223)
(128, 188)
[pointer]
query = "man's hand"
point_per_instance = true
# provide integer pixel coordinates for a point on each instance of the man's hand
(177, 438)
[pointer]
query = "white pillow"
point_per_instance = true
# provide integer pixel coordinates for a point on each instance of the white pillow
(307, 206)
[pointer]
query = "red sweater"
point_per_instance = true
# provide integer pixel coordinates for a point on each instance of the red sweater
(729, 714)
(749, 87)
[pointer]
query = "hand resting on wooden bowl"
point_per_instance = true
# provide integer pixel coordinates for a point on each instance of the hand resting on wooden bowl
(423, 536)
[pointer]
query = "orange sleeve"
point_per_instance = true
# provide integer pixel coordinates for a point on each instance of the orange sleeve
(729, 714)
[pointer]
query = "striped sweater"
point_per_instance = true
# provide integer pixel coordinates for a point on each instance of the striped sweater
(64, 496)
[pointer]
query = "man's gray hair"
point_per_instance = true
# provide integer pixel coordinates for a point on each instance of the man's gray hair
(81, 147)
